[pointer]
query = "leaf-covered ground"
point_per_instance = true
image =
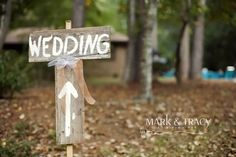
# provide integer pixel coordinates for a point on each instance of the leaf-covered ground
(113, 124)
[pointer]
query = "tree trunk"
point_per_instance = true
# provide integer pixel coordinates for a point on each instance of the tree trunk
(78, 13)
(131, 68)
(183, 50)
(182, 69)
(197, 54)
(154, 36)
(147, 47)
(5, 20)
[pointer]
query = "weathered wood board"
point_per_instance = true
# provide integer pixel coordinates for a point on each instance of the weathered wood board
(85, 43)
(62, 76)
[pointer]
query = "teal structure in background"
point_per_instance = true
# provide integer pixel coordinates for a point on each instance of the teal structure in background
(206, 74)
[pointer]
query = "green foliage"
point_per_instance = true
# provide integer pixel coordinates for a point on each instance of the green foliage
(106, 152)
(168, 36)
(11, 148)
(172, 10)
(53, 13)
(220, 18)
(17, 145)
(220, 35)
(43, 13)
(102, 12)
(21, 129)
(13, 73)
(197, 8)
(169, 11)
(52, 135)
(169, 24)
(223, 11)
(220, 46)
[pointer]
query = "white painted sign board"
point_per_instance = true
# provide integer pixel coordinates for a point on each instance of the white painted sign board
(85, 43)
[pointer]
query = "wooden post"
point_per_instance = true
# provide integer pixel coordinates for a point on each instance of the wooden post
(69, 150)
(69, 147)
(77, 106)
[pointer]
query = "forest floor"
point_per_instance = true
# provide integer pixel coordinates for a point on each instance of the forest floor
(117, 124)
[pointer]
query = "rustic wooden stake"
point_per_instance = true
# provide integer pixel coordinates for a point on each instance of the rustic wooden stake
(69, 147)
(69, 150)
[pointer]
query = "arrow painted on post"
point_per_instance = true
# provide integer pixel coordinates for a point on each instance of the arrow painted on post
(68, 90)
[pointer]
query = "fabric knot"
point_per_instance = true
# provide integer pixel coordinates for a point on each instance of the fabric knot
(63, 61)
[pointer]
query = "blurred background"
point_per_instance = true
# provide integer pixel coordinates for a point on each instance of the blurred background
(174, 57)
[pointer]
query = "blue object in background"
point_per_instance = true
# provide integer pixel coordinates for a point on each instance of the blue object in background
(206, 74)
(170, 73)
(230, 73)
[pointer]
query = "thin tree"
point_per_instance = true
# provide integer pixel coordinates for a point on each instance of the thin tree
(135, 31)
(6, 8)
(198, 41)
(78, 13)
(131, 74)
(149, 23)
(183, 47)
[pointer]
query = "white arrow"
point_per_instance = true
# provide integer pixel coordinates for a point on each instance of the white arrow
(68, 90)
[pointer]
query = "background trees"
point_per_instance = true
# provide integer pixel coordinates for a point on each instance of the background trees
(220, 30)
(142, 27)
(185, 29)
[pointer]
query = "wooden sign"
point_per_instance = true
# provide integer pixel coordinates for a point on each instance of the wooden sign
(69, 107)
(85, 43)
(70, 87)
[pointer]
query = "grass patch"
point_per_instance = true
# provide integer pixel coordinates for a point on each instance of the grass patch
(16, 145)
(21, 129)
(106, 152)
(11, 148)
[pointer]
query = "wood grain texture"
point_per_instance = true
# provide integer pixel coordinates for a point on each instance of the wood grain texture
(69, 151)
(77, 105)
(77, 33)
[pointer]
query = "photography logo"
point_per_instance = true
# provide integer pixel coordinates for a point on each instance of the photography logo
(169, 125)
